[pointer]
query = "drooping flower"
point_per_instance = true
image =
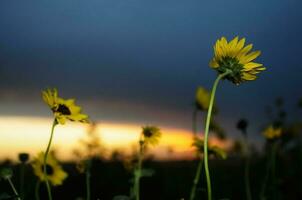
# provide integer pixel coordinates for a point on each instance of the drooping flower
(233, 56)
(151, 135)
(202, 99)
(54, 171)
(271, 133)
(63, 109)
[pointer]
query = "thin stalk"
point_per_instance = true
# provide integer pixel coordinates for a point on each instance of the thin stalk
(267, 175)
(88, 175)
(196, 179)
(37, 189)
(274, 183)
(22, 168)
(137, 174)
(247, 171)
(206, 164)
(45, 159)
(13, 187)
(263, 188)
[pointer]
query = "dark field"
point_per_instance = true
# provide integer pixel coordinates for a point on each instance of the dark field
(172, 180)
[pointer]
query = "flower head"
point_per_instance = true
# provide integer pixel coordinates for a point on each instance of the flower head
(63, 109)
(151, 135)
(55, 173)
(242, 125)
(233, 56)
(202, 99)
(23, 157)
(271, 133)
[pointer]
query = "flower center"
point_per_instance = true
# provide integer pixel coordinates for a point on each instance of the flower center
(148, 133)
(232, 64)
(63, 109)
(49, 169)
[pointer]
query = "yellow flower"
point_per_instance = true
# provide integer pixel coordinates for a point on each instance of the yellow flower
(151, 135)
(212, 149)
(63, 109)
(272, 133)
(202, 98)
(55, 173)
(233, 56)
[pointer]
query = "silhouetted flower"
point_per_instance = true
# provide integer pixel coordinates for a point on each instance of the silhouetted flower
(23, 157)
(242, 125)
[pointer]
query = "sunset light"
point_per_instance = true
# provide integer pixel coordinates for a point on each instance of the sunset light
(30, 134)
(150, 100)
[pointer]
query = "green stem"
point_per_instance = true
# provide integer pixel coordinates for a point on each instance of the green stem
(247, 170)
(88, 175)
(269, 166)
(196, 179)
(263, 188)
(137, 173)
(45, 159)
(37, 189)
(206, 164)
(14, 189)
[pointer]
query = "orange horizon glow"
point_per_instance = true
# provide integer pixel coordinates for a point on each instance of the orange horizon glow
(31, 134)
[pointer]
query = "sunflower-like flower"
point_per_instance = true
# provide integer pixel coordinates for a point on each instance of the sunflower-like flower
(212, 149)
(271, 133)
(151, 135)
(55, 173)
(202, 99)
(234, 57)
(63, 109)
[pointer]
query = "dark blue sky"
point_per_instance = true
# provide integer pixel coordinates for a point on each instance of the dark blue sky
(140, 60)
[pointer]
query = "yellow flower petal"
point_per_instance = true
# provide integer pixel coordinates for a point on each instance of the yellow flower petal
(244, 51)
(249, 57)
(63, 109)
(240, 44)
(251, 65)
(248, 77)
(233, 56)
(57, 173)
(233, 44)
(214, 64)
